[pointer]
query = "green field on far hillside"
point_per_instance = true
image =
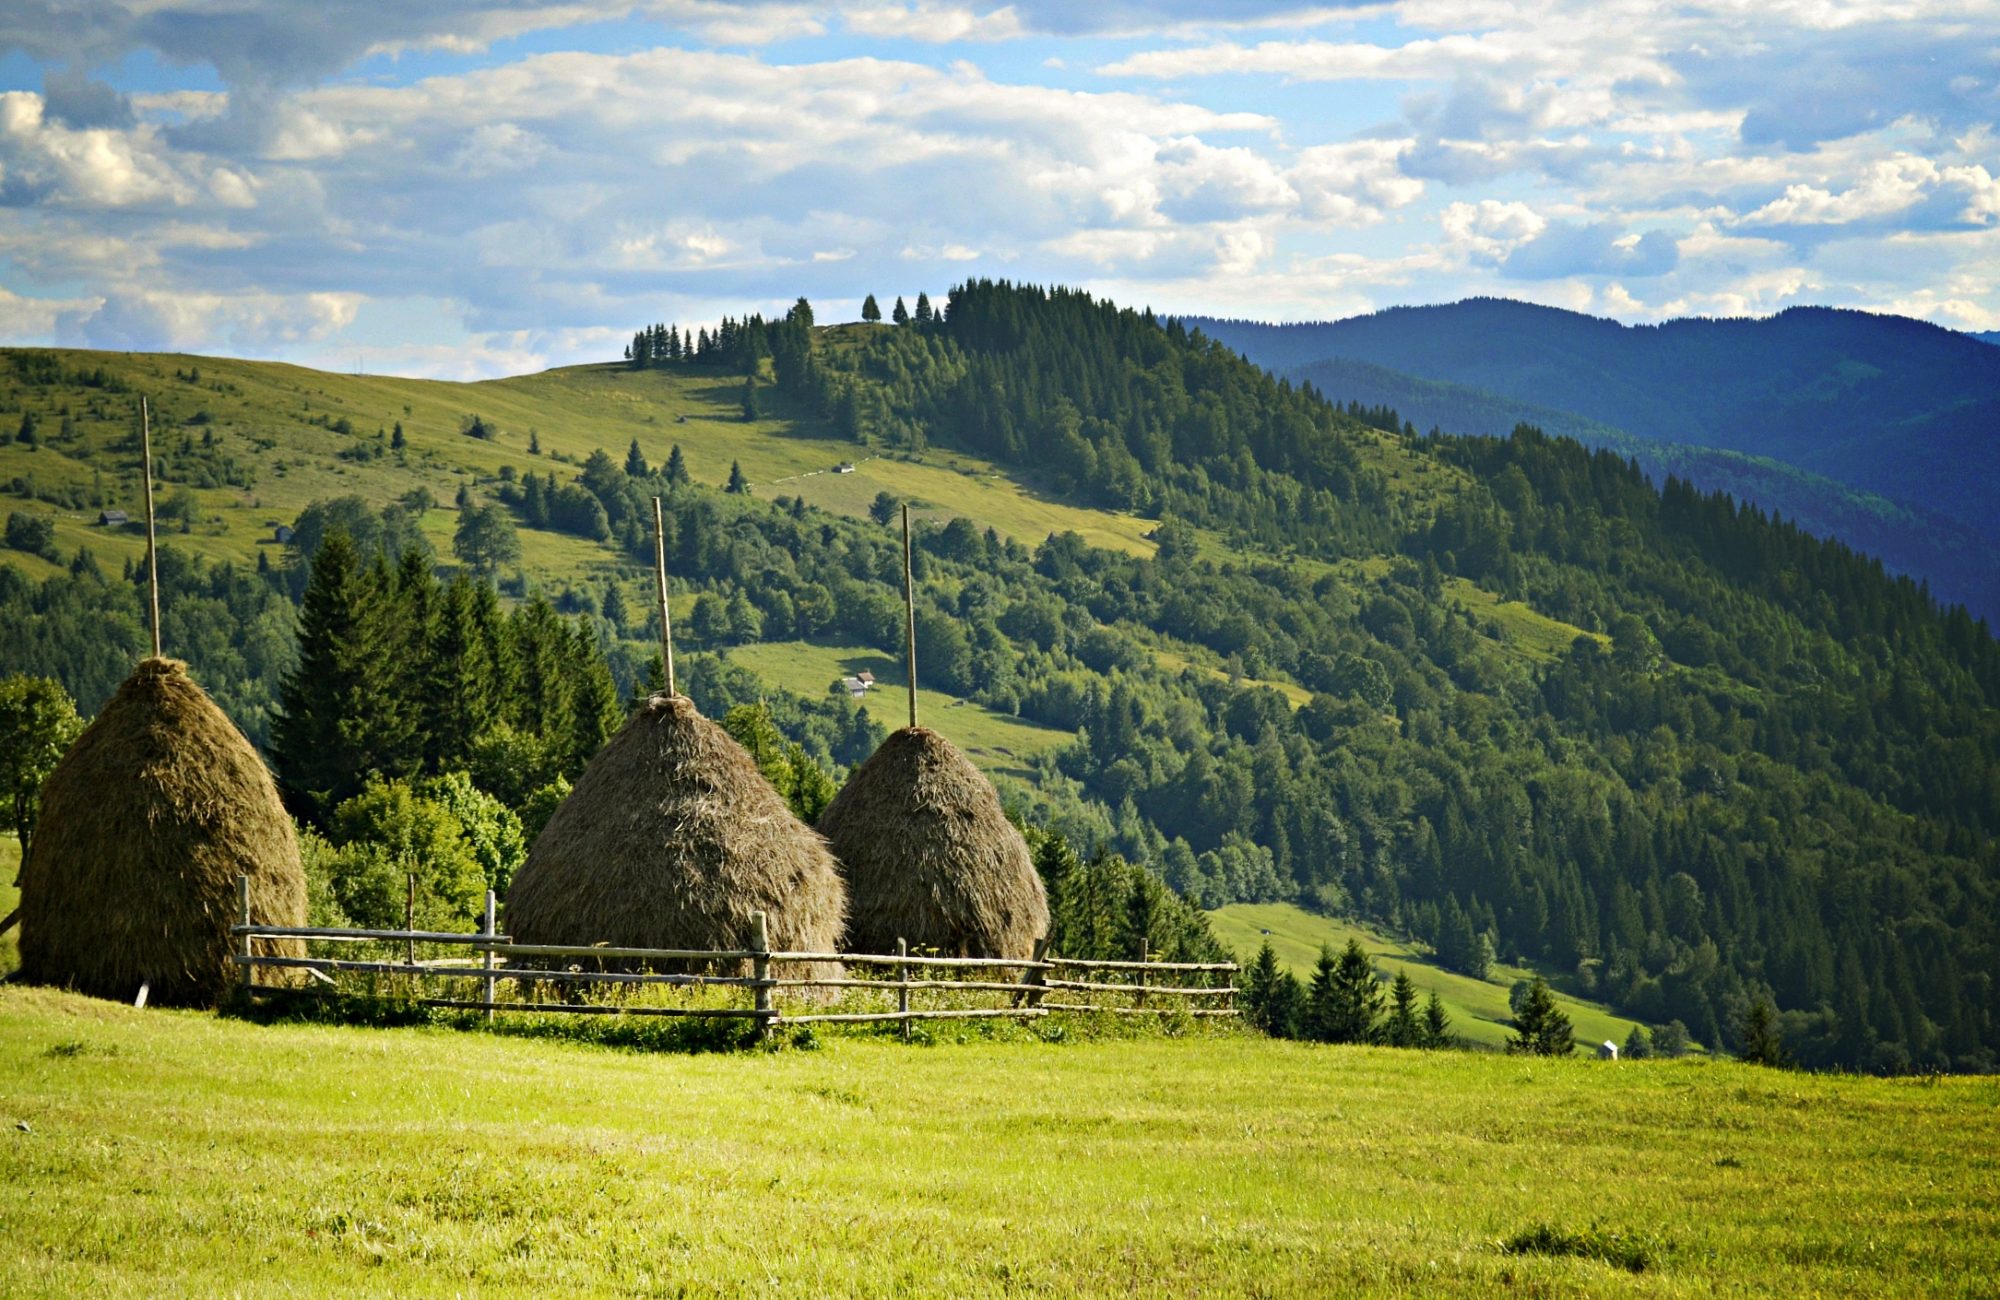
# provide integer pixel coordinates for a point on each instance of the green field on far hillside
(175, 1153)
(997, 742)
(1478, 1008)
(281, 424)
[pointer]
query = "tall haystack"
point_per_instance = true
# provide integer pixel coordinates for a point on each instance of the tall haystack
(930, 857)
(146, 823)
(671, 839)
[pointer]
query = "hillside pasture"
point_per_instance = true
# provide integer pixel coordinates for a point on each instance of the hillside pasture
(998, 743)
(1479, 1011)
(153, 1152)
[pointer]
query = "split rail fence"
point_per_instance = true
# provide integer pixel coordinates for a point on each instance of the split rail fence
(1033, 988)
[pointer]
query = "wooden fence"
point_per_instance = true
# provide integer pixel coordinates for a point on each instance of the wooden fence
(1035, 987)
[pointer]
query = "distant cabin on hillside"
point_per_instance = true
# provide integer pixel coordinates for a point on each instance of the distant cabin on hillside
(112, 518)
(854, 686)
(865, 677)
(844, 467)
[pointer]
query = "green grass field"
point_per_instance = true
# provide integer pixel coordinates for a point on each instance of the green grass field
(1479, 1012)
(996, 742)
(153, 1153)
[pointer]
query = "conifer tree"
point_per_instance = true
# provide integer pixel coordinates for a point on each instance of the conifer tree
(1344, 1002)
(613, 608)
(1758, 1041)
(1286, 1010)
(677, 470)
(750, 408)
(635, 461)
(737, 483)
(1404, 1027)
(924, 314)
(595, 714)
(899, 313)
(541, 703)
(870, 311)
(396, 439)
(1437, 1023)
(1540, 1027)
(460, 698)
(341, 717)
(534, 443)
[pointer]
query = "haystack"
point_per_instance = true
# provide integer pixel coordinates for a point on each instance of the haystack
(671, 839)
(130, 877)
(930, 857)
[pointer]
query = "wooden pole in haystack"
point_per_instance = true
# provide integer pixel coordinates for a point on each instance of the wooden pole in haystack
(152, 547)
(660, 571)
(909, 614)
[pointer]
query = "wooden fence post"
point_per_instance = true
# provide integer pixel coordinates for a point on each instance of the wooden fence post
(1139, 998)
(903, 993)
(243, 909)
(489, 933)
(410, 921)
(760, 968)
(1035, 975)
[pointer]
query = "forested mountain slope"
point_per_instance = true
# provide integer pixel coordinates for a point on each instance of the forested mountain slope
(1893, 407)
(1646, 737)
(1960, 563)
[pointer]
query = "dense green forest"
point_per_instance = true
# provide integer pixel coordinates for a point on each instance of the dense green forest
(1959, 562)
(1767, 770)
(1899, 411)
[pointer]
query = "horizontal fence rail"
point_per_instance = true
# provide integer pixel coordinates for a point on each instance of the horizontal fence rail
(560, 978)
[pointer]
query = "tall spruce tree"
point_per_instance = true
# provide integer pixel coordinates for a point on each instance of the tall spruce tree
(870, 310)
(1404, 1027)
(635, 461)
(594, 709)
(924, 313)
(341, 715)
(677, 470)
(1343, 1002)
(1757, 1037)
(899, 313)
(460, 699)
(1540, 1027)
(1437, 1022)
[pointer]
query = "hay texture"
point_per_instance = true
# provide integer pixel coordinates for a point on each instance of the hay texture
(671, 839)
(146, 823)
(930, 857)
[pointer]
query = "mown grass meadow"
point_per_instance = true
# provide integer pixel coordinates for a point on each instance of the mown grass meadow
(146, 1153)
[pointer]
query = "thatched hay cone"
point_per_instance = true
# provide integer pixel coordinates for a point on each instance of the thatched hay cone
(146, 823)
(930, 857)
(671, 839)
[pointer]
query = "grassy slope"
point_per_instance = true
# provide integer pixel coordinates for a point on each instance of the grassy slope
(1478, 1008)
(996, 742)
(572, 412)
(177, 1153)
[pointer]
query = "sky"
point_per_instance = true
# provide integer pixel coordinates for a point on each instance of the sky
(468, 190)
